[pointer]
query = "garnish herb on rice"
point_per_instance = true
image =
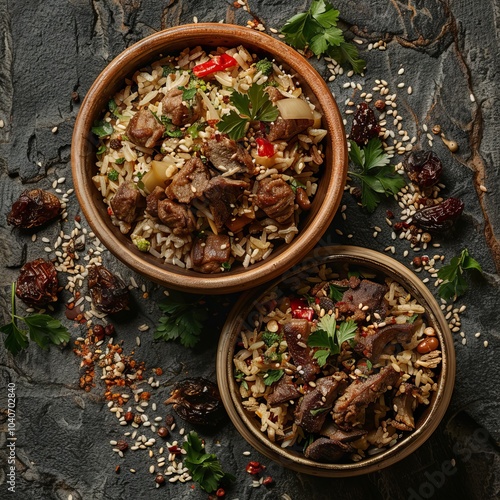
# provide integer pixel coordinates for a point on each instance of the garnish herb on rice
(215, 143)
(365, 372)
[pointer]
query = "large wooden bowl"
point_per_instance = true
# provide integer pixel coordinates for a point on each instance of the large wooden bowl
(242, 317)
(173, 40)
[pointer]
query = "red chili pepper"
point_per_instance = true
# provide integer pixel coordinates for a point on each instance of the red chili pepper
(217, 63)
(110, 211)
(264, 147)
(301, 310)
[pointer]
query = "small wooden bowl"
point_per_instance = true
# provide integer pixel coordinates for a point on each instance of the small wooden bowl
(241, 315)
(313, 225)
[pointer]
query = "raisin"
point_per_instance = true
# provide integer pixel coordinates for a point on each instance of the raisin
(115, 144)
(33, 208)
(364, 125)
(439, 217)
(108, 292)
(197, 401)
(424, 168)
(37, 284)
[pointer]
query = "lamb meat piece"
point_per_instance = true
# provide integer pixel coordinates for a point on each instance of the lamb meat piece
(152, 200)
(284, 390)
(286, 129)
(277, 199)
(226, 154)
(323, 288)
(144, 129)
(371, 343)
(405, 403)
(296, 333)
(209, 253)
(349, 409)
(316, 404)
(179, 111)
(177, 217)
(369, 294)
(331, 431)
(189, 182)
(125, 202)
(221, 193)
(274, 94)
(327, 450)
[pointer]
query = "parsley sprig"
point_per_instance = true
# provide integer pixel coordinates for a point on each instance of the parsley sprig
(317, 30)
(377, 177)
(330, 338)
(205, 468)
(42, 329)
(253, 106)
(182, 319)
(454, 283)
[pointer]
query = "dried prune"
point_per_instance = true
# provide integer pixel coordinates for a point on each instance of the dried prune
(108, 292)
(37, 284)
(440, 217)
(364, 125)
(197, 400)
(33, 208)
(424, 168)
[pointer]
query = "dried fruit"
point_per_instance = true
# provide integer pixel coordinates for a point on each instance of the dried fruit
(33, 208)
(122, 445)
(254, 467)
(108, 292)
(439, 217)
(37, 284)
(424, 168)
(364, 125)
(197, 400)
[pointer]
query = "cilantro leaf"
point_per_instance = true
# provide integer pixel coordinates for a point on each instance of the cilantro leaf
(182, 319)
(205, 468)
(16, 339)
(454, 282)
(272, 376)
(317, 30)
(102, 128)
(188, 94)
(322, 356)
(346, 331)
(233, 125)
(337, 292)
(378, 179)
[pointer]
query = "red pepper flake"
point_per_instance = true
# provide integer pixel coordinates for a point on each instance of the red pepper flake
(301, 310)
(110, 211)
(264, 147)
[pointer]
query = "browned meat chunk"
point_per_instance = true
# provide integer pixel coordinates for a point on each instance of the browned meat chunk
(327, 450)
(221, 193)
(323, 288)
(371, 343)
(125, 201)
(276, 198)
(274, 94)
(152, 200)
(226, 154)
(286, 129)
(404, 405)
(284, 390)
(189, 182)
(177, 217)
(316, 404)
(368, 294)
(144, 129)
(296, 334)
(330, 430)
(349, 409)
(181, 112)
(208, 254)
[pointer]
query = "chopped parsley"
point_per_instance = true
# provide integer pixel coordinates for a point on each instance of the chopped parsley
(272, 376)
(113, 175)
(271, 338)
(102, 128)
(337, 292)
(120, 161)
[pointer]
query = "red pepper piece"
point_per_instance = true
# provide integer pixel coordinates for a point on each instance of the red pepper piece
(264, 147)
(217, 63)
(301, 310)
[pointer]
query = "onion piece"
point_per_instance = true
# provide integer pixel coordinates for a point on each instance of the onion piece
(294, 109)
(158, 174)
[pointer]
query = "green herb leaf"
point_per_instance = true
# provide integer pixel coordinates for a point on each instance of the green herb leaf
(337, 292)
(113, 175)
(102, 149)
(16, 339)
(454, 282)
(271, 338)
(322, 356)
(411, 319)
(182, 319)
(188, 94)
(318, 411)
(378, 179)
(226, 266)
(295, 184)
(102, 128)
(204, 468)
(120, 161)
(233, 125)
(240, 377)
(317, 30)
(346, 331)
(272, 376)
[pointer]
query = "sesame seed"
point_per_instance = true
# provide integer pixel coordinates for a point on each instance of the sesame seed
(246, 453)
(54, 130)
(472, 98)
(483, 188)
(477, 335)
(485, 343)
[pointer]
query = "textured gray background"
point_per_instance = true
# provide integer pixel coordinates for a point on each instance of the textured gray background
(50, 48)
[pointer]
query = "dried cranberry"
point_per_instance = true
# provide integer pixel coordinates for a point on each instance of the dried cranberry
(108, 292)
(34, 208)
(424, 168)
(364, 125)
(439, 217)
(37, 284)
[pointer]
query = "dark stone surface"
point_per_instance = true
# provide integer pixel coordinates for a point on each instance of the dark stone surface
(51, 48)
